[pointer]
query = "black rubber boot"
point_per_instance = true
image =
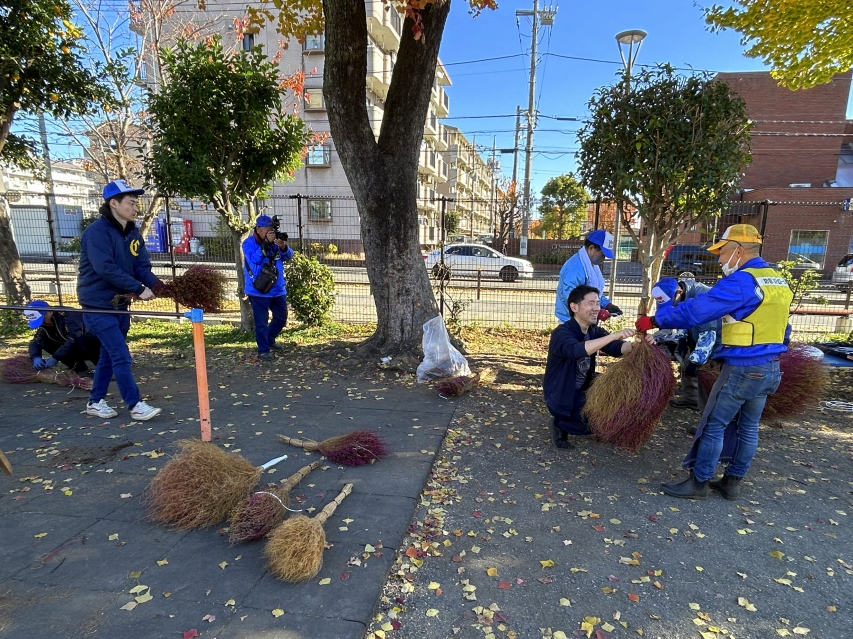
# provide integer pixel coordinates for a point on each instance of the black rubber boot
(684, 402)
(559, 437)
(728, 486)
(690, 488)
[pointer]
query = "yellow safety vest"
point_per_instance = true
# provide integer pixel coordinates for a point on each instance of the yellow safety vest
(766, 324)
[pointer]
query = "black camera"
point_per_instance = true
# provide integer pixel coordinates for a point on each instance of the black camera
(276, 223)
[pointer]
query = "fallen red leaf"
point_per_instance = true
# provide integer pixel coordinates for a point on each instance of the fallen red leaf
(653, 518)
(476, 514)
(412, 552)
(504, 585)
(457, 559)
(598, 528)
(189, 634)
(396, 625)
(613, 578)
(633, 597)
(345, 576)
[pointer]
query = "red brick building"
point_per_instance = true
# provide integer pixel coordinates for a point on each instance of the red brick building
(802, 144)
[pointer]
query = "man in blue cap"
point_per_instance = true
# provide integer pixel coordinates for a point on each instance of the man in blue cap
(262, 248)
(583, 268)
(62, 335)
(114, 262)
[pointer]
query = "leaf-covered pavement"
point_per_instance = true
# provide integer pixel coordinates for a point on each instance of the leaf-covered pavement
(515, 539)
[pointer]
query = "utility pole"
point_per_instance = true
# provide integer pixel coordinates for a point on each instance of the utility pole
(544, 17)
(511, 229)
(494, 185)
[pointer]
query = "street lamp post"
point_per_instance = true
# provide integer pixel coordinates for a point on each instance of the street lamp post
(624, 40)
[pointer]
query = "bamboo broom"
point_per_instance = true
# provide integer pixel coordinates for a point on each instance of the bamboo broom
(201, 485)
(5, 464)
(354, 449)
(294, 551)
(259, 513)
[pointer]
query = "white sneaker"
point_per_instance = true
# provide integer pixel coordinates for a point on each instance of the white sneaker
(142, 412)
(100, 409)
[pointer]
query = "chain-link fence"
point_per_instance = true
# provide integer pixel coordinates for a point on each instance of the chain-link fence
(479, 283)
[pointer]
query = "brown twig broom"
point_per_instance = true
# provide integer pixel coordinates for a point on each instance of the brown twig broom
(201, 485)
(354, 449)
(456, 386)
(260, 512)
(294, 551)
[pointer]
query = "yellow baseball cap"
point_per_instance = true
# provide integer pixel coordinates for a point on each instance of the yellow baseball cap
(746, 233)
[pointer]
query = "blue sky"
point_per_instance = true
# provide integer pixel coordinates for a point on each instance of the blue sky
(677, 34)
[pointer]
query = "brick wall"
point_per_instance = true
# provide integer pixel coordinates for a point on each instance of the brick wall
(779, 159)
(805, 210)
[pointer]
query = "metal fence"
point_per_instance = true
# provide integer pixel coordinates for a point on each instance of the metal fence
(478, 291)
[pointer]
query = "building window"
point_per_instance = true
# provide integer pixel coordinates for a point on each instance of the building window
(248, 41)
(808, 248)
(314, 43)
(314, 99)
(319, 210)
(319, 156)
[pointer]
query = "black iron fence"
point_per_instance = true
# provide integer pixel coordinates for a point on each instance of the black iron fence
(485, 285)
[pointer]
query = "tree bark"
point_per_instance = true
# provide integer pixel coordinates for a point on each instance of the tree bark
(11, 269)
(383, 174)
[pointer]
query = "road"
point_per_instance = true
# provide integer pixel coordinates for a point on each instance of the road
(527, 303)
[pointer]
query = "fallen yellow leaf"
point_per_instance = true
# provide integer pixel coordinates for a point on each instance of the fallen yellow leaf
(113, 537)
(162, 562)
(492, 572)
(432, 612)
(565, 602)
(547, 563)
(694, 606)
(799, 630)
(278, 612)
(325, 581)
(434, 585)
(777, 553)
(40, 535)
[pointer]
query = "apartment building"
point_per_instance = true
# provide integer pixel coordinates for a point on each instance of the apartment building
(470, 184)
(326, 211)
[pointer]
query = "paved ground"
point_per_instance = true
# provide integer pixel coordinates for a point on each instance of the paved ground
(516, 539)
(508, 538)
(76, 541)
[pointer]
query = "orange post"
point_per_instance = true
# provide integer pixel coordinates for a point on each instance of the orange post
(197, 318)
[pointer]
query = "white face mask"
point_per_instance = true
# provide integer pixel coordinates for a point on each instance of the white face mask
(728, 269)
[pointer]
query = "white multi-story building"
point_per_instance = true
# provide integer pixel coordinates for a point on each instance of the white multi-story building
(327, 211)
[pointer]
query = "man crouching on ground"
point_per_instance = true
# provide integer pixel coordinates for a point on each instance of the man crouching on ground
(570, 368)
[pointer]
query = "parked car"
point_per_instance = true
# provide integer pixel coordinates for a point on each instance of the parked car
(464, 260)
(694, 258)
(803, 262)
(844, 271)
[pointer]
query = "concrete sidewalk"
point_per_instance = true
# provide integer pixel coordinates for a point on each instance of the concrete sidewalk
(76, 540)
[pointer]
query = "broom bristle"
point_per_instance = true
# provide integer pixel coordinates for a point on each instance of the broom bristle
(257, 515)
(354, 449)
(18, 370)
(200, 486)
(294, 551)
(804, 380)
(624, 405)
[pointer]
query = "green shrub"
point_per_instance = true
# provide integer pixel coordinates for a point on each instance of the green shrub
(12, 323)
(317, 248)
(310, 289)
(332, 249)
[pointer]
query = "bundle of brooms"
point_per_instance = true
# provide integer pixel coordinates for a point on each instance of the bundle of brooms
(19, 370)
(804, 381)
(201, 485)
(295, 548)
(353, 449)
(260, 512)
(199, 287)
(456, 386)
(624, 405)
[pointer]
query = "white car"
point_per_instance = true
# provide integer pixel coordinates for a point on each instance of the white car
(464, 260)
(844, 271)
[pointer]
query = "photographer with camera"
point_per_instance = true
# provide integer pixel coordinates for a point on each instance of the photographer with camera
(264, 254)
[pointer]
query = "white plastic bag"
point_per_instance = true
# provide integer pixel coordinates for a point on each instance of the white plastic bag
(441, 359)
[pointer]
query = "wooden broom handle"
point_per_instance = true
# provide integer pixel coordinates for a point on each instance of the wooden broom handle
(329, 508)
(298, 476)
(307, 444)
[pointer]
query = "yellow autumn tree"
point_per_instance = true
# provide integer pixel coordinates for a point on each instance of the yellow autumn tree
(806, 42)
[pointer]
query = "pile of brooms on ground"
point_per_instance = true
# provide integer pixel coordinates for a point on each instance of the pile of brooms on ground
(18, 369)
(804, 381)
(203, 485)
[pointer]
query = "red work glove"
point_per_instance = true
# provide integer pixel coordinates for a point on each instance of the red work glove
(603, 315)
(645, 323)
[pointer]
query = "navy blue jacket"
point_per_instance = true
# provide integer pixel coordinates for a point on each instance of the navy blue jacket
(59, 338)
(113, 261)
(564, 350)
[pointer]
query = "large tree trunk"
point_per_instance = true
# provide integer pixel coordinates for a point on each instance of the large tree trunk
(383, 174)
(11, 269)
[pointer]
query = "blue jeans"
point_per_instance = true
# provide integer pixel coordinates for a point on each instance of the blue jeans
(738, 404)
(115, 360)
(261, 306)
